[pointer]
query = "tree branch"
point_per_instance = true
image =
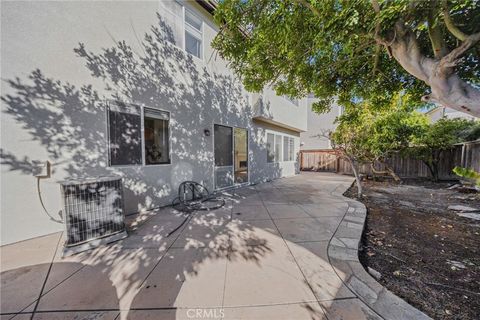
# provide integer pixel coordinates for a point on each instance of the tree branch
(452, 59)
(308, 5)
(457, 33)
(378, 38)
(436, 37)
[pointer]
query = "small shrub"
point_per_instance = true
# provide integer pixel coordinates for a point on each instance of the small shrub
(468, 174)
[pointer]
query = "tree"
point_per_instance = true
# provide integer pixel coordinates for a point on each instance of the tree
(390, 131)
(367, 134)
(356, 49)
(349, 142)
(433, 140)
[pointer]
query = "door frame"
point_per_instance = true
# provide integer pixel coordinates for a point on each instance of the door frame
(234, 185)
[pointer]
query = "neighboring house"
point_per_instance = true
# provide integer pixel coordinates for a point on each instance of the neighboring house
(438, 113)
(318, 127)
(178, 114)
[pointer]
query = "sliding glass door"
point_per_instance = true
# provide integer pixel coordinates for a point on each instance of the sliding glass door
(231, 156)
(240, 155)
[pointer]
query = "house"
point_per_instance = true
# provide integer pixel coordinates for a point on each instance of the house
(438, 113)
(132, 89)
(319, 125)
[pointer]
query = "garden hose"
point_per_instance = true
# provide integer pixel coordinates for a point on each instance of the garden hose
(192, 197)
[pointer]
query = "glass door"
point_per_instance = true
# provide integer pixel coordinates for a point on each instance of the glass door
(240, 155)
(223, 149)
(231, 156)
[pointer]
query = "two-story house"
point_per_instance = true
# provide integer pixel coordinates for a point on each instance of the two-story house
(128, 88)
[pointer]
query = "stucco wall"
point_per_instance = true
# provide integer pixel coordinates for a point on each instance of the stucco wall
(58, 113)
(318, 125)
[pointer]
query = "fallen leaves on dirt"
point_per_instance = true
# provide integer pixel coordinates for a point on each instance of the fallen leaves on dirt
(426, 254)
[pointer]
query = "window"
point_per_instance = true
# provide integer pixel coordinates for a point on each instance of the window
(291, 149)
(270, 147)
(124, 133)
(278, 148)
(277, 143)
(125, 137)
(193, 34)
(288, 148)
(285, 149)
(155, 124)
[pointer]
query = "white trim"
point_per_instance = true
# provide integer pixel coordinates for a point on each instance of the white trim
(201, 39)
(275, 133)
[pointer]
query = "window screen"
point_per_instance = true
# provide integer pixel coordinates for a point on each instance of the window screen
(193, 34)
(193, 45)
(291, 149)
(156, 128)
(286, 149)
(223, 146)
(278, 148)
(270, 147)
(124, 130)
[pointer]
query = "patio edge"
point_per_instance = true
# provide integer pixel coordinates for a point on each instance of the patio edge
(343, 256)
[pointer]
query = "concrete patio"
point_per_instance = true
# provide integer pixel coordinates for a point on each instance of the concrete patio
(263, 256)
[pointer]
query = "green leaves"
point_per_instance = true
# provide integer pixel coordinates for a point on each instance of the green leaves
(373, 133)
(328, 47)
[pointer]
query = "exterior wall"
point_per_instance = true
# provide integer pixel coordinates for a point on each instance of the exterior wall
(275, 109)
(65, 122)
(317, 125)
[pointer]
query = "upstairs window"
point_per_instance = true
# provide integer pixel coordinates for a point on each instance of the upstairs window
(193, 34)
(124, 133)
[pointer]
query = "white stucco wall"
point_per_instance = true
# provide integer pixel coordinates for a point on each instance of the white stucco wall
(318, 125)
(66, 125)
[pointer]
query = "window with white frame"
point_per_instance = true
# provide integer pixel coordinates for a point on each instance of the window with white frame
(156, 137)
(125, 135)
(280, 148)
(193, 34)
(184, 27)
(288, 148)
(270, 147)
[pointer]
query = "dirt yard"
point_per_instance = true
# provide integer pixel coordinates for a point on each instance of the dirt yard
(425, 253)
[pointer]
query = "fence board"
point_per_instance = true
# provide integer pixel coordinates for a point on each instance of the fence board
(464, 155)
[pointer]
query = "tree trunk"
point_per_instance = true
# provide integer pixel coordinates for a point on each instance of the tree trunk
(388, 170)
(433, 168)
(357, 178)
(447, 88)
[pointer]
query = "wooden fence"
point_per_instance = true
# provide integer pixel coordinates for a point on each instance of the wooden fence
(463, 155)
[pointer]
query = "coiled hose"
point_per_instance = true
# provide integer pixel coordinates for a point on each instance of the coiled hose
(192, 196)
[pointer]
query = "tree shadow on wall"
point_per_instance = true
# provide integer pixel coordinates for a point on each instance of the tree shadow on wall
(69, 122)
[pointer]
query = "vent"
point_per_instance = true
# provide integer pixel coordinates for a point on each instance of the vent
(93, 212)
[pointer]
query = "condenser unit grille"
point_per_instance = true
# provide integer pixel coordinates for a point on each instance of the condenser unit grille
(93, 209)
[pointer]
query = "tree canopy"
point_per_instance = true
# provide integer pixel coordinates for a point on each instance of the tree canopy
(356, 49)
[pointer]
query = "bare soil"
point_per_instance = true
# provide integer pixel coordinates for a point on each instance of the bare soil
(426, 254)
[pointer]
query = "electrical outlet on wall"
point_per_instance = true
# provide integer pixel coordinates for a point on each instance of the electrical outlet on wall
(41, 168)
